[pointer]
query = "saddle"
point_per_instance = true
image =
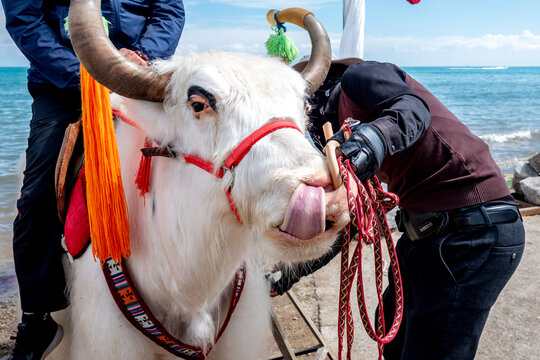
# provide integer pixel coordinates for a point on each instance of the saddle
(70, 187)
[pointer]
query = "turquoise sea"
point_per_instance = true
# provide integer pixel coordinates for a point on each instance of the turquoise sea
(499, 104)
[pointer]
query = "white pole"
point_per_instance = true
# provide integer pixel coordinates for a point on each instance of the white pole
(352, 40)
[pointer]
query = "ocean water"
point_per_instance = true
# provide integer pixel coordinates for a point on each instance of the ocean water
(15, 113)
(499, 104)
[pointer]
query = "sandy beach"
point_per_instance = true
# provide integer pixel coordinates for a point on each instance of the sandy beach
(512, 330)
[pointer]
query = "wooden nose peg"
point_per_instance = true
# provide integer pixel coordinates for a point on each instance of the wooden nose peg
(330, 150)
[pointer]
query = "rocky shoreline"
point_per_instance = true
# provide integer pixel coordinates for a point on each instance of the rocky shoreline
(8, 323)
(526, 180)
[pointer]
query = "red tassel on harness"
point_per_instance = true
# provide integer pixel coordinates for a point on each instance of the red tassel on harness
(143, 174)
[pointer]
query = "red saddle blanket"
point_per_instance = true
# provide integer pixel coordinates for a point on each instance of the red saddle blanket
(77, 226)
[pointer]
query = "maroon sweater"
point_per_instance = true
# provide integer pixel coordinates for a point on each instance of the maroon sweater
(442, 167)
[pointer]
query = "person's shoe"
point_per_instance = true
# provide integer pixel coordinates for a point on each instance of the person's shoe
(37, 336)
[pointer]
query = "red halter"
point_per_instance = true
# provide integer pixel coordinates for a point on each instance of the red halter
(230, 163)
(238, 154)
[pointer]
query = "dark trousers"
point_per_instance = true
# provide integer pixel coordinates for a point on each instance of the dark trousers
(450, 283)
(37, 229)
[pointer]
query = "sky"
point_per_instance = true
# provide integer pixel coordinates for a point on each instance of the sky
(431, 33)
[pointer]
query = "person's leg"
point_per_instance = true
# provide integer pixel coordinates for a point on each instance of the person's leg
(37, 229)
(454, 280)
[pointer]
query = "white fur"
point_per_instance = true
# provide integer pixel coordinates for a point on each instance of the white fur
(186, 242)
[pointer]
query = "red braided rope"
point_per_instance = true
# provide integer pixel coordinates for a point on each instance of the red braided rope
(367, 211)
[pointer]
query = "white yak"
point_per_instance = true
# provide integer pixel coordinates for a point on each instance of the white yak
(186, 243)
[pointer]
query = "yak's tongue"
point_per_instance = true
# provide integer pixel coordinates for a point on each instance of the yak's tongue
(305, 216)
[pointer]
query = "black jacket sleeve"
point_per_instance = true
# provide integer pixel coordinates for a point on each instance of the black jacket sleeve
(380, 88)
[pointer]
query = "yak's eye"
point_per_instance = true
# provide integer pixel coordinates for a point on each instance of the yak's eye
(201, 102)
(198, 106)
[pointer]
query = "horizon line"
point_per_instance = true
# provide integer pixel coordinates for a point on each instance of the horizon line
(461, 66)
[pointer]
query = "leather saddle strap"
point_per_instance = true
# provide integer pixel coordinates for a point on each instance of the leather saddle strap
(63, 163)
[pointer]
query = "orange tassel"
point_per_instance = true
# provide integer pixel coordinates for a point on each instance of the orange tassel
(107, 210)
(143, 174)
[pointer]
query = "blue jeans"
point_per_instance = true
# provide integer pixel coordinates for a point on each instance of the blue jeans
(450, 283)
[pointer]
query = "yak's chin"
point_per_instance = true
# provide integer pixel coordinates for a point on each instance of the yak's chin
(294, 249)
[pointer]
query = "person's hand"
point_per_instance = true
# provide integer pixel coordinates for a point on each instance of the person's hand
(366, 149)
(135, 57)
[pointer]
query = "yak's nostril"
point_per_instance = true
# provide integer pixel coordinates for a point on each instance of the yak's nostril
(328, 224)
(329, 188)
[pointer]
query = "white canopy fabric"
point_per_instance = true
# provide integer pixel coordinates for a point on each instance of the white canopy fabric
(352, 40)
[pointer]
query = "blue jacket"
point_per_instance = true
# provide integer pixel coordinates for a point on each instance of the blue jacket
(37, 28)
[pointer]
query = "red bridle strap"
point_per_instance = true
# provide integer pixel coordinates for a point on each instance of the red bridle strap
(203, 164)
(243, 148)
(238, 154)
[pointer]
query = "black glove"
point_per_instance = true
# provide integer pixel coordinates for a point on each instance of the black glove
(366, 149)
(288, 278)
(291, 274)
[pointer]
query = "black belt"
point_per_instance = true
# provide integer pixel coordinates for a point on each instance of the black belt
(420, 225)
(485, 216)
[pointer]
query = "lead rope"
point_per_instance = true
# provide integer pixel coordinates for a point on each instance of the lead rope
(367, 211)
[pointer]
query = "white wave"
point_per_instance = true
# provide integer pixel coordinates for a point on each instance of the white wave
(480, 68)
(507, 165)
(517, 135)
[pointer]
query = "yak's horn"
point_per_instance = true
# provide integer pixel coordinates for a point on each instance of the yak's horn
(321, 54)
(103, 61)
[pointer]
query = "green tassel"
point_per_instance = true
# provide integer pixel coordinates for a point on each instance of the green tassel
(281, 45)
(106, 24)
